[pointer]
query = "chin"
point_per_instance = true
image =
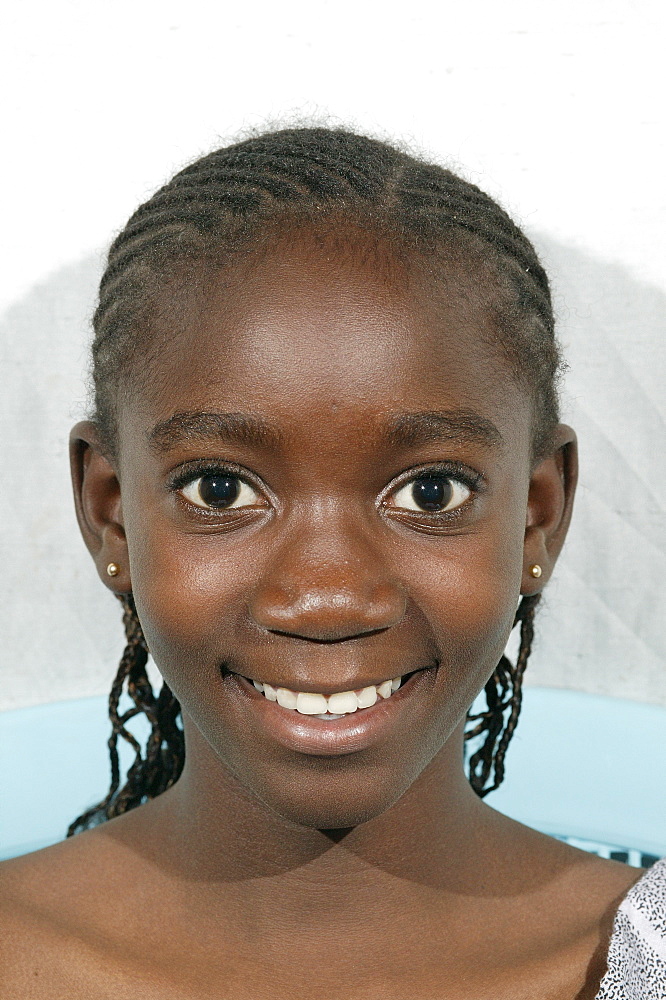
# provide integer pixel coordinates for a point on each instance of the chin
(330, 808)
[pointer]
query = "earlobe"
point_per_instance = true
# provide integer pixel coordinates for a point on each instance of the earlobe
(98, 506)
(549, 507)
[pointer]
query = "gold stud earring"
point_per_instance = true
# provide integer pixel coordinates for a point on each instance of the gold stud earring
(113, 569)
(535, 570)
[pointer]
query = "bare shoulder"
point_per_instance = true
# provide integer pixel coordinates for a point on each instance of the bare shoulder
(579, 874)
(591, 882)
(556, 912)
(587, 897)
(62, 877)
(42, 896)
(584, 889)
(63, 919)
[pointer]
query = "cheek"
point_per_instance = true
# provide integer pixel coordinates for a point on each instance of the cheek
(468, 590)
(189, 591)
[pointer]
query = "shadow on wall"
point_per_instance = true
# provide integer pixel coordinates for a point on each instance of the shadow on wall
(600, 629)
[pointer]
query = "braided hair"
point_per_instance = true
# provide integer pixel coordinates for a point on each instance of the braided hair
(229, 204)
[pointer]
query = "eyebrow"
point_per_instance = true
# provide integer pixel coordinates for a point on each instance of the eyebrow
(200, 426)
(406, 430)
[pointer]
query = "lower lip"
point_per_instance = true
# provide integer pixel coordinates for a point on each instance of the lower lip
(332, 737)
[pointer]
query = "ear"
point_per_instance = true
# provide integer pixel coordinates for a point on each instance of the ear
(98, 506)
(549, 506)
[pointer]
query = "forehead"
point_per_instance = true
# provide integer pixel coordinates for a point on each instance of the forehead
(320, 325)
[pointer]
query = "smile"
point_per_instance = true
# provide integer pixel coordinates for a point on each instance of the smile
(333, 706)
(341, 722)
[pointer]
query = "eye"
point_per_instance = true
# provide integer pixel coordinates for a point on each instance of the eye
(432, 494)
(220, 491)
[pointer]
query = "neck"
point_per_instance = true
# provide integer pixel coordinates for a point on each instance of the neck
(220, 843)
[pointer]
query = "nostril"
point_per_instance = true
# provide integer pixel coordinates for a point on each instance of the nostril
(325, 604)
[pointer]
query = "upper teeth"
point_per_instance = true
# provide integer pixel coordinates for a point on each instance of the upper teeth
(340, 703)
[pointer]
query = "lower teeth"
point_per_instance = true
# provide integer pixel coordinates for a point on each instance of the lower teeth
(328, 715)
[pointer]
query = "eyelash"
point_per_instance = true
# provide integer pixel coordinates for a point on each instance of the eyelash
(197, 470)
(454, 471)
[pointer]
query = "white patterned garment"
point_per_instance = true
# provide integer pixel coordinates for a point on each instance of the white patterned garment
(637, 952)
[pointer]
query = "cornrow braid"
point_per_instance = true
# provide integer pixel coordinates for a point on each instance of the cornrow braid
(225, 203)
(229, 204)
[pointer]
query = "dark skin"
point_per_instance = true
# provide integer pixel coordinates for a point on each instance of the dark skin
(267, 872)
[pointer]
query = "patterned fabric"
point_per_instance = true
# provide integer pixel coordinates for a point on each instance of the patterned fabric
(637, 952)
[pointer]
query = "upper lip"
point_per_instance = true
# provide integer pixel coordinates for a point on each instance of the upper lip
(354, 684)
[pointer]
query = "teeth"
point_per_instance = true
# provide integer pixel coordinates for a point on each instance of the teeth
(367, 697)
(336, 705)
(286, 698)
(311, 704)
(343, 703)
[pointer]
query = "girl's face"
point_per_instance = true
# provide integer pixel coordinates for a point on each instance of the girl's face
(326, 484)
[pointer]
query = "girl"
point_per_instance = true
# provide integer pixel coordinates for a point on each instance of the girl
(325, 476)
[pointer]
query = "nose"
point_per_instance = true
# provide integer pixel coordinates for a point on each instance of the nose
(327, 586)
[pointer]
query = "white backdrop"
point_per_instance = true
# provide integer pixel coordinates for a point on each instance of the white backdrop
(554, 109)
